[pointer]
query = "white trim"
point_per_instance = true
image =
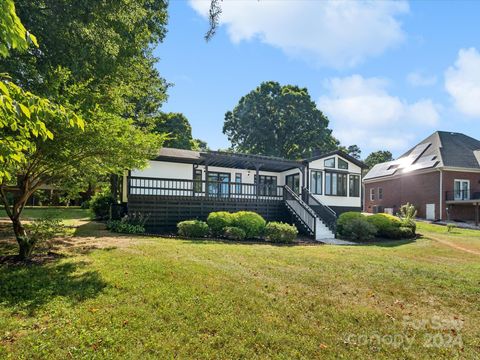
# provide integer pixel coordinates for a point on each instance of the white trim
(461, 181)
(372, 194)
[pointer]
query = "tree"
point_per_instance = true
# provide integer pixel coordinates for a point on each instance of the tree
(108, 145)
(178, 130)
(95, 59)
(94, 53)
(378, 157)
(279, 121)
(352, 150)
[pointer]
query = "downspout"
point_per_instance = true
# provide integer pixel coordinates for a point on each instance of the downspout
(441, 194)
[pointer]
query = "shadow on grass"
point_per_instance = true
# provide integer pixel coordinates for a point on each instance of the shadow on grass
(29, 287)
(389, 242)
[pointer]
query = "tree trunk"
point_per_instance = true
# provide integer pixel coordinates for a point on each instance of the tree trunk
(24, 243)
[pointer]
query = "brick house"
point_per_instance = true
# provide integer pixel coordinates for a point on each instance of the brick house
(440, 176)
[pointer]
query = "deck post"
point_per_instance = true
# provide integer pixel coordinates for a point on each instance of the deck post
(206, 179)
(476, 214)
(257, 175)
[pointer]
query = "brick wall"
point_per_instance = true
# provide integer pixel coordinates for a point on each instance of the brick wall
(423, 189)
(417, 189)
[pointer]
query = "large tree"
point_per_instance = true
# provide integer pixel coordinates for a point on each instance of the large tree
(94, 62)
(93, 52)
(279, 121)
(378, 157)
(179, 131)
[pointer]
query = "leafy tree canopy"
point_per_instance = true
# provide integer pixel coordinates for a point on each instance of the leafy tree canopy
(378, 157)
(179, 132)
(352, 150)
(93, 52)
(279, 121)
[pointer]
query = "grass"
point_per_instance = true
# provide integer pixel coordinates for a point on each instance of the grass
(141, 297)
(68, 214)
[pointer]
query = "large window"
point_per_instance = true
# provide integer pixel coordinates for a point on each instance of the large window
(380, 193)
(329, 163)
(293, 182)
(316, 182)
(355, 185)
(372, 194)
(342, 164)
(267, 185)
(218, 184)
(335, 184)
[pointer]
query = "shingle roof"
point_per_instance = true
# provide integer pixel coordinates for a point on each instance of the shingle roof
(441, 149)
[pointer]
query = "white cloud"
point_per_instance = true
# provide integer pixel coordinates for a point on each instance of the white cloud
(462, 82)
(335, 33)
(419, 79)
(362, 112)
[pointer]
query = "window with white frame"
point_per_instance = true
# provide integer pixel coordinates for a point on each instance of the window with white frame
(380, 193)
(372, 194)
(461, 189)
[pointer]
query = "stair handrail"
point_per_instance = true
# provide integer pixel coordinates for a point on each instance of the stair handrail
(329, 216)
(305, 207)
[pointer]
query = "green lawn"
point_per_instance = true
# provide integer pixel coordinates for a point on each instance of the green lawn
(165, 298)
(68, 214)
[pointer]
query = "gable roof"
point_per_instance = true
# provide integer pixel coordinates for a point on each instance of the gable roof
(441, 149)
(340, 153)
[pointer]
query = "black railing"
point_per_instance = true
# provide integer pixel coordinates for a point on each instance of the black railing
(326, 214)
(306, 215)
(202, 188)
(461, 195)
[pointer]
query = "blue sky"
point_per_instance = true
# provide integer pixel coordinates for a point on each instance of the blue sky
(386, 74)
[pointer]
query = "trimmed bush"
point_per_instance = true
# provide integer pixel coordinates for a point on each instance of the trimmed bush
(345, 218)
(124, 227)
(359, 229)
(100, 205)
(218, 221)
(387, 225)
(234, 233)
(192, 228)
(409, 223)
(406, 232)
(252, 223)
(279, 232)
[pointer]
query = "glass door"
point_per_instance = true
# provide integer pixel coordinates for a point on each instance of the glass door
(218, 184)
(293, 182)
(462, 190)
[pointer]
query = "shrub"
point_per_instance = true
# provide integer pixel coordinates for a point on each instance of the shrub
(409, 223)
(42, 230)
(279, 232)
(407, 211)
(192, 228)
(100, 205)
(234, 233)
(406, 232)
(345, 218)
(219, 220)
(358, 228)
(387, 225)
(252, 223)
(120, 226)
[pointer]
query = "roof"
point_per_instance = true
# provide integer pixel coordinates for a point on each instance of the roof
(242, 161)
(441, 149)
(350, 158)
(227, 159)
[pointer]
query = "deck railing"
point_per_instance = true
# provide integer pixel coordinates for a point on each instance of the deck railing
(202, 188)
(326, 213)
(304, 213)
(461, 195)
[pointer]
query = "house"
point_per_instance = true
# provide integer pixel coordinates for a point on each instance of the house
(184, 184)
(440, 176)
